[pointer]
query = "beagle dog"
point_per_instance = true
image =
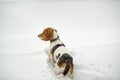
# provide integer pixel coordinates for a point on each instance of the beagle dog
(59, 56)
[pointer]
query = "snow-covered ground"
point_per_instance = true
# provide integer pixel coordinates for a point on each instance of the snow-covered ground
(89, 29)
(90, 63)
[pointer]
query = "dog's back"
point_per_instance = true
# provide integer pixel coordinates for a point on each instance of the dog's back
(58, 53)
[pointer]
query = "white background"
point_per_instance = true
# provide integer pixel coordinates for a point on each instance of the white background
(79, 23)
(91, 29)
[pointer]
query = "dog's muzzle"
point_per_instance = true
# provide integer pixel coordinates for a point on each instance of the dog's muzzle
(38, 35)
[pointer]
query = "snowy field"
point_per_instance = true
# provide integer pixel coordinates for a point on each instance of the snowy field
(89, 29)
(91, 63)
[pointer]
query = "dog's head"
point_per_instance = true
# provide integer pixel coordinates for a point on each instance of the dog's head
(48, 34)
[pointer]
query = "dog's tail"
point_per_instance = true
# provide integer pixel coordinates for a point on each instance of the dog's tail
(68, 65)
(66, 68)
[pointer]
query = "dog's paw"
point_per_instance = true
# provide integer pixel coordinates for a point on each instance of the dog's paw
(60, 76)
(71, 76)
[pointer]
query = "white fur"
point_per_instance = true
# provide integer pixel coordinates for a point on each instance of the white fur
(55, 34)
(60, 50)
(41, 38)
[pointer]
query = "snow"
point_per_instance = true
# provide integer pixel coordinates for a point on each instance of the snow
(89, 29)
(91, 63)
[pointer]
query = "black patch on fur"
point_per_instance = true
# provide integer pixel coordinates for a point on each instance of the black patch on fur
(58, 56)
(55, 47)
(66, 58)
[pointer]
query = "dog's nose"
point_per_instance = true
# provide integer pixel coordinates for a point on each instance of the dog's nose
(38, 35)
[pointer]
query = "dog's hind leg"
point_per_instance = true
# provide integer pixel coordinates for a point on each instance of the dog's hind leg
(56, 69)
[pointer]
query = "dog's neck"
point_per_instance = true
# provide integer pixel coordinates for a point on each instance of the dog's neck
(52, 40)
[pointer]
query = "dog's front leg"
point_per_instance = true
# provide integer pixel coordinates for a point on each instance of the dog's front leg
(51, 60)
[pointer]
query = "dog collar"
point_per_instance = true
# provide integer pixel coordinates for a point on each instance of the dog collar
(54, 39)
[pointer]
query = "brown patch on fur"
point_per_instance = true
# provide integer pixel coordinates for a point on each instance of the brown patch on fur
(61, 64)
(71, 68)
(52, 57)
(47, 34)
